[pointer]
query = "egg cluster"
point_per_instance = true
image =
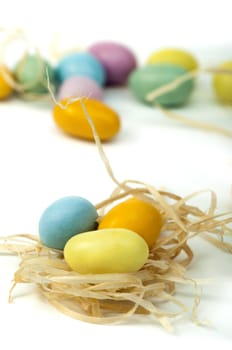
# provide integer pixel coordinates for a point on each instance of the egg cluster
(80, 74)
(118, 242)
(108, 64)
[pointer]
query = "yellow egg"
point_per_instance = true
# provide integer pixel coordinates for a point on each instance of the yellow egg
(106, 251)
(5, 89)
(136, 215)
(222, 84)
(73, 121)
(174, 56)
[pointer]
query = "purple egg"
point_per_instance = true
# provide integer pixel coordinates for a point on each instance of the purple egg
(117, 60)
(80, 86)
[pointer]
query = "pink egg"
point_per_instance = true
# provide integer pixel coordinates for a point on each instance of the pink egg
(117, 60)
(80, 86)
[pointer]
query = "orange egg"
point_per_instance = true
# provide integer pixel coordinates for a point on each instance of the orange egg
(135, 215)
(5, 89)
(73, 121)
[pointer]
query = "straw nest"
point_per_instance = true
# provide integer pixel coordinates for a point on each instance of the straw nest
(110, 298)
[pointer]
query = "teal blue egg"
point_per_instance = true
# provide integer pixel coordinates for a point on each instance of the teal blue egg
(64, 219)
(80, 64)
(148, 78)
(31, 73)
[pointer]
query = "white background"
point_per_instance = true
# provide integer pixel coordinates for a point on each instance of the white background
(39, 164)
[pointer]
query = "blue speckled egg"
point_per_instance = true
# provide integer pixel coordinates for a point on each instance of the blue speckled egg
(64, 219)
(83, 64)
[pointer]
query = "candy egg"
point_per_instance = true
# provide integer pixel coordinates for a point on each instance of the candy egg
(65, 218)
(106, 251)
(117, 60)
(73, 121)
(83, 64)
(136, 215)
(5, 89)
(174, 56)
(222, 83)
(77, 86)
(31, 72)
(151, 77)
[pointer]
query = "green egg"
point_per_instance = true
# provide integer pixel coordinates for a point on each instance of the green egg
(148, 78)
(31, 73)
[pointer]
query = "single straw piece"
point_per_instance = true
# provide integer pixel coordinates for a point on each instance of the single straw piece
(151, 96)
(194, 123)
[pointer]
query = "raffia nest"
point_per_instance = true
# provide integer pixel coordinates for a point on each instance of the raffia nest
(110, 298)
